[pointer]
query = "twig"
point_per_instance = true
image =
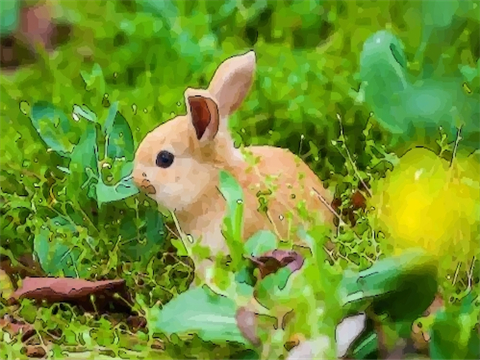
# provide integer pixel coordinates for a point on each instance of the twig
(350, 158)
(329, 253)
(470, 274)
(183, 236)
(171, 231)
(455, 276)
(457, 140)
(322, 199)
(300, 146)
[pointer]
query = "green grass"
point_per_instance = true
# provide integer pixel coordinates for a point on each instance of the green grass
(65, 190)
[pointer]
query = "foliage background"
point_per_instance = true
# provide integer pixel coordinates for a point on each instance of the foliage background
(141, 55)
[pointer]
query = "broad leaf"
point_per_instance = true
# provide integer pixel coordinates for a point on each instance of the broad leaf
(412, 111)
(470, 73)
(366, 346)
(212, 317)
(83, 166)
(152, 237)
(94, 79)
(53, 127)
(454, 332)
(382, 63)
(56, 253)
(166, 10)
(281, 288)
(439, 14)
(119, 135)
(233, 221)
(122, 190)
(402, 286)
(9, 17)
(85, 112)
(260, 243)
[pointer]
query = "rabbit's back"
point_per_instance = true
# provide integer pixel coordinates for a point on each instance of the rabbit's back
(287, 188)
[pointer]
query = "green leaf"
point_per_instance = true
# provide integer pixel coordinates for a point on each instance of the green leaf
(166, 10)
(382, 69)
(279, 287)
(83, 165)
(402, 286)
(245, 280)
(233, 221)
(439, 14)
(453, 332)
(9, 17)
(16, 202)
(119, 135)
(412, 111)
(365, 347)
(153, 238)
(188, 48)
(53, 127)
(260, 243)
(122, 190)
(55, 250)
(212, 317)
(94, 79)
(180, 246)
(84, 112)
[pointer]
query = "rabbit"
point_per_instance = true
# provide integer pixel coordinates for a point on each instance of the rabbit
(178, 165)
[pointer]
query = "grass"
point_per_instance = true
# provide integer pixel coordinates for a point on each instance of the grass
(72, 119)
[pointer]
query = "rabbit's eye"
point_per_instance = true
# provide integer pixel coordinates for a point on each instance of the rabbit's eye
(164, 159)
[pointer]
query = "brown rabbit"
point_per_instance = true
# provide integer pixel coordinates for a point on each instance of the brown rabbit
(178, 165)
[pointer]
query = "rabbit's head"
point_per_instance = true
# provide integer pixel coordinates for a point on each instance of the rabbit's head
(179, 161)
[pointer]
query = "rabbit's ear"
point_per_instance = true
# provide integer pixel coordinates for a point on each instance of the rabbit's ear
(203, 112)
(232, 81)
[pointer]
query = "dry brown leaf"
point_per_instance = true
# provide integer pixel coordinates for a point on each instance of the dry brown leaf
(15, 327)
(272, 261)
(247, 323)
(75, 291)
(35, 351)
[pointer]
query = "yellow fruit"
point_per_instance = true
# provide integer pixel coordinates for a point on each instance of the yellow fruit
(426, 203)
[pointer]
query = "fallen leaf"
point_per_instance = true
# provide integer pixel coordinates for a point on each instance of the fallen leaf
(158, 344)
(247, 323)
(136, 322)
(357, 201)
(287, 318)
(25, 266)
(293, 341)
(35, 351)
(15, 327)
(273, 260)
(76, 291)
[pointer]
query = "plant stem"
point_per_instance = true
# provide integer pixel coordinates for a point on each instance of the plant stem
(322, 199)
(350, 157)
(457, 140)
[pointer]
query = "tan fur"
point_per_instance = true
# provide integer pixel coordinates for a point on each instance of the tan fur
(190, 186)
